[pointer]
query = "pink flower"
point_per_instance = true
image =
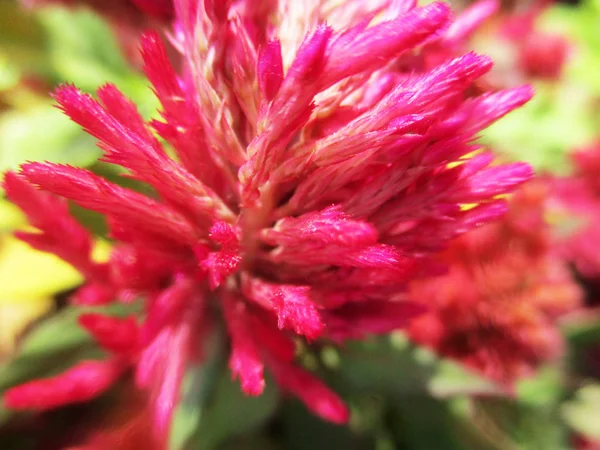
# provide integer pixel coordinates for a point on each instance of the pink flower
(301, 181)
(538, 54)
(576, 207)
(496, 309)
(161, 9)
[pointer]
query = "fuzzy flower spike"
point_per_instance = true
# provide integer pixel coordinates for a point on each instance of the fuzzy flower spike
(302, 179)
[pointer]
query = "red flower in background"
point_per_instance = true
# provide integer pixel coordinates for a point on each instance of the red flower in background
(539, 54)
(124, 425)
(496, 309)
(161, 9)
(543, 55)
(583, 443)
(576, 204)
(301, 182)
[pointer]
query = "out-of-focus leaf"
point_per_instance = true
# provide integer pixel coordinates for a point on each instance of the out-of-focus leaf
(451, 379)
(79, 37)
(513, 425)
(26, 273)
(558, 120)
(5, 415)
(101, 251)
(22, 44)
(11, 216)
(583, 412)
(543, 389)
(55, 345)
(43, 134)
(9, 74)
(563, 116)
(231, 413)
(64, 45)
(423, 422)
(396, 370)
(580, 25)
(51, 347)
(583, 330)
(197, 388)
(16, 315)
(252, 442)
(83, 51)
(379, 366)
(213, 409)
(303, 431)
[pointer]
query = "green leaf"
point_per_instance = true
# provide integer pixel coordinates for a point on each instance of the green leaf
(583, 412)
(451, 379)
(27, 274)
(55, 345)
(303, 431)
(197, 389)
(423, 423)
(11, 216)
(22, 47)
(563, 114)
(514, 425)
(396, 368)
(542, 390)
(5, 415)
(231, 413)
(43, 134)
(558, 120)
(378, 365)
(83, 50)
(584, 331)
(213, 408)
(82, 32)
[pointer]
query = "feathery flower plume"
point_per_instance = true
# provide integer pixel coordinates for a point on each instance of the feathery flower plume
(302, 180)
(495, 310)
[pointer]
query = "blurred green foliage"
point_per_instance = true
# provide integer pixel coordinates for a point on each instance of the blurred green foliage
(564, 115)
(41, 49)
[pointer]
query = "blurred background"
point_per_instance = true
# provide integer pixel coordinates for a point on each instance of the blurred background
(521, 373)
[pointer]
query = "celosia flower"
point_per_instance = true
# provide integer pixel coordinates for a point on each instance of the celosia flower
(539, 54)
(496, 309)
(576, 210)
(301, 181)
(584, 443)
(531, 53)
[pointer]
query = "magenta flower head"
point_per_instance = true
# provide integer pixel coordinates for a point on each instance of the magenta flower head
(301, 181)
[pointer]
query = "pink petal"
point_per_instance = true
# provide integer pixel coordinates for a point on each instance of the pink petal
(92, 192)
(112, 333)
(244, 362)
(314, 394)
(86, 381)
(59, 233)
